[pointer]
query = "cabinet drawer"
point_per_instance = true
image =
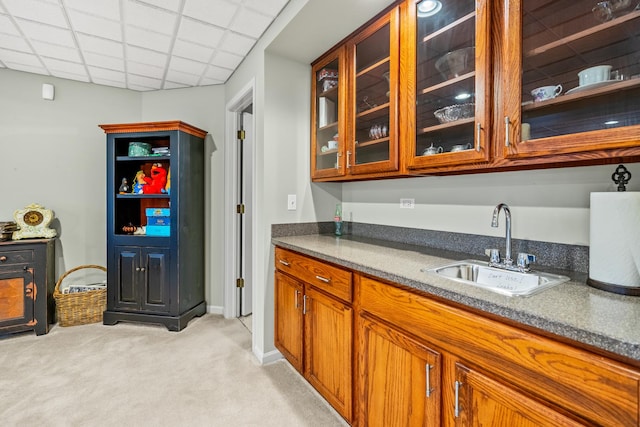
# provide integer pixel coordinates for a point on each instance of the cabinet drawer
(333, 280)
(16, 257)
(593, 387)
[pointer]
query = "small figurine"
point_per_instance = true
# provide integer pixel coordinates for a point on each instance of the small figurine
(139, 182)
(124, 187)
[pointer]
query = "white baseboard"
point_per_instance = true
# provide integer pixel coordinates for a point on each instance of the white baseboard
(266, 358)
(215, 309)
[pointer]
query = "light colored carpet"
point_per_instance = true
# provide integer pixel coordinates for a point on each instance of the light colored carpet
(144, 375)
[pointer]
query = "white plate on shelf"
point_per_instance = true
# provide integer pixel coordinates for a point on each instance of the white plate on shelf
(591, 86)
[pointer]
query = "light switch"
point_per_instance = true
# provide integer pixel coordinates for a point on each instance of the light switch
(291, 202)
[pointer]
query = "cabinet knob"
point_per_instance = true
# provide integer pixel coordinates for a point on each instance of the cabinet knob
(137, 268)
(142, 269)
(3, 258)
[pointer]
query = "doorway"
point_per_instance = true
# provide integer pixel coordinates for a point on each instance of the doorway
(239, 204)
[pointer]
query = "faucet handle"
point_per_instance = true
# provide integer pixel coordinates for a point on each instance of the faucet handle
(525, 259)
(494, 255)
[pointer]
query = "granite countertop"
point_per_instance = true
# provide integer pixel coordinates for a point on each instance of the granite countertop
(573, 309)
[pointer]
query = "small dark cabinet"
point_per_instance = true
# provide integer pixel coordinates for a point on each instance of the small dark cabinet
(26, 286)
(155, 275)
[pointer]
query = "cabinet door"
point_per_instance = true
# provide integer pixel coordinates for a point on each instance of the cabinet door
(328, 348)
(288, 318)
(155, 265)
(571, 78)
(328, 98)
(374, 59)
(445, 70)
(17, 295)
(399, 381)
(482, 401)
(126, 293)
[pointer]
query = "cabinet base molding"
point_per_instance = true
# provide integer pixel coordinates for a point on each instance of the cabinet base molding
(173, 323)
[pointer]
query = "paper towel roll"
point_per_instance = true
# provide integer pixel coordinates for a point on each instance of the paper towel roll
(614, 250)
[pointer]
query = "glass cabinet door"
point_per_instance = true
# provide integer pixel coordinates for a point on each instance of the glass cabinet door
(574, 66)
(327, 134)
(374, 56)
(447, 81)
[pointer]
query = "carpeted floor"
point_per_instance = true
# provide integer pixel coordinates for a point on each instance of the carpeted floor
(144, 375)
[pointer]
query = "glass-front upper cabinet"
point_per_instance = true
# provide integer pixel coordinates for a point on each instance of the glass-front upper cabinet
(373, 136)
(572, 77)
(328, 135)
(447, 74)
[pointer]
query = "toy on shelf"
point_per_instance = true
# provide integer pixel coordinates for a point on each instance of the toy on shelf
(156, 184)
(139, 182)
(124, 187)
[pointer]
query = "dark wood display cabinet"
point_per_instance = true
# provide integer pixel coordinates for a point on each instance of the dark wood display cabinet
(155, 229)
(27, 281)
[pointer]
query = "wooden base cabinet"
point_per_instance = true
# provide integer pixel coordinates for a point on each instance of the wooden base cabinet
(492, 373)
(399, 378)
(26, 286)
(313, 325)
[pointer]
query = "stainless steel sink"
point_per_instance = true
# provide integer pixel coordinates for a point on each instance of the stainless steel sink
(511, 283)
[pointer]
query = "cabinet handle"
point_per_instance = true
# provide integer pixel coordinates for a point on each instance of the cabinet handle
(478, 136)
(3, 258)
(304, 304)
(337, 160)
(295, 296)
(456, 410)
(142, 269)
(348, 159)
(507, 141)
(323, 279)
(429, 389)
(283, 262)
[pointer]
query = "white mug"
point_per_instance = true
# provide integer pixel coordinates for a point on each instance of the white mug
(546, 92)
(600, 73)
(332, 144)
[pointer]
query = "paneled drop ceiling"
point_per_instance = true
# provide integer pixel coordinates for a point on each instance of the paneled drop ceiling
(139, 45)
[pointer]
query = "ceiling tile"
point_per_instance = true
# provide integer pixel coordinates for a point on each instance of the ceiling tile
(12, 56)
(54, 51)
(106, 82)
(108, 9)
(15, 43)
(145, 82)
(151, 18)
(100, 27)
(100, 46)
(145, 70)
(35, 69)
(185, 78)
(237, 43)
(250, 23)
(103, 74)
(146, 56)
(227, 60)
(66, 66)
(173, 5)
(37, 11)
(268, 7)
(103, 61)
(48, 33)
(217, 12)
(172, 85)
(207, 81)
(187, 66)
(193, 51)
(70, 75)
(147, 39)
(7, 27)
(199, 32)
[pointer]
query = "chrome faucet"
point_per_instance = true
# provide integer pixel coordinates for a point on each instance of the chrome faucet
(524, 259)
(494, 223)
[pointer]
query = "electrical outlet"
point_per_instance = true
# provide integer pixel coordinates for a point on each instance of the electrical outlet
(407, 203)
(291, 202)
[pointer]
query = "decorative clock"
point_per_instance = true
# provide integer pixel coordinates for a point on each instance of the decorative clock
(34, 222)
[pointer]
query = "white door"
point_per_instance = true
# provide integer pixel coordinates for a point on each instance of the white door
(245, 149)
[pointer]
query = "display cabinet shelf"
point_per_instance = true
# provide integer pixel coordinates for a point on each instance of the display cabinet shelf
(442, 126)
(469, 18)
(451, 83)
(373, 142)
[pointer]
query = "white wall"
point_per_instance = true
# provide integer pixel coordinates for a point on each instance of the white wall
(550, 205)
(53, 153)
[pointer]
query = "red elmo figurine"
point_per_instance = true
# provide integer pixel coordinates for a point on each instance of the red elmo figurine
(158, 180)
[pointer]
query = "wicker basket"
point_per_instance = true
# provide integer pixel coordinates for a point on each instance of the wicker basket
(82, 307)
